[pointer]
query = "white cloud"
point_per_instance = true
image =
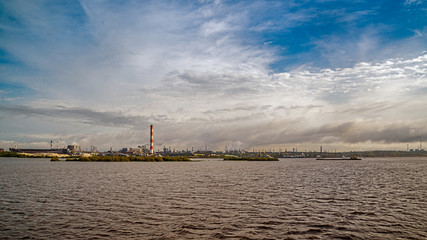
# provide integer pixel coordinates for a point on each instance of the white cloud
(369, 102)
(190, 71)
(413, 2)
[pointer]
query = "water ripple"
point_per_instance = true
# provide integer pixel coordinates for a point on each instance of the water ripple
(289, 199)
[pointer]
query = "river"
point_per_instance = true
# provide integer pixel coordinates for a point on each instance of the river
(377, 198)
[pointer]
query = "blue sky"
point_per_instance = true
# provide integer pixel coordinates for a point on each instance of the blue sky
(347, 75)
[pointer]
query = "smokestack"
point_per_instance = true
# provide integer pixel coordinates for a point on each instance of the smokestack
(151, 141)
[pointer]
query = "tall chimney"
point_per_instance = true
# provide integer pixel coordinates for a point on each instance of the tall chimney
(151, 141)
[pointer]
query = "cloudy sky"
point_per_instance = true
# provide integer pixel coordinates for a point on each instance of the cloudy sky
(347, 75)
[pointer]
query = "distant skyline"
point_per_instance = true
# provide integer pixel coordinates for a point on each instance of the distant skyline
(347, 75)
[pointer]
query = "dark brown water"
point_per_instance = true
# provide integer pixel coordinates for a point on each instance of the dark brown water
(289, 199)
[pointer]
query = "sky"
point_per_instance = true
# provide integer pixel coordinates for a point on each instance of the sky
(254, 75)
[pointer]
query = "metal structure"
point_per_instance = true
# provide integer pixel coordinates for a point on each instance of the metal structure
(151, 141)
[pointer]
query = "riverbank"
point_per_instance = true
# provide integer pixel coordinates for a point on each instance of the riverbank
(130, 159)
(250, 159)
(29, 155)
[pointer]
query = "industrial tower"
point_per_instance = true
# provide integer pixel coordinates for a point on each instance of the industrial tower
(151, 141)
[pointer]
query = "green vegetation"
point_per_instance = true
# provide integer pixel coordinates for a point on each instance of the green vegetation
(129, 159)
(11, 154)
(54, 159)
(18, 155)
(250, 159)
(204, 156)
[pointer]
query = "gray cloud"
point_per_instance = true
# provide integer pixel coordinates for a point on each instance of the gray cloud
(192, 73)
(287, 108)
(86, 116)
(253, 134)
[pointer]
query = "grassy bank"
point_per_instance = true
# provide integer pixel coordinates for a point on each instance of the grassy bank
(250, 159)
(19, 155)
(129, 159)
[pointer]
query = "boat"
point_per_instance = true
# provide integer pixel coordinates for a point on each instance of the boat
(339, 158)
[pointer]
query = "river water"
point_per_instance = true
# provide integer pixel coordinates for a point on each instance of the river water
(384, 198)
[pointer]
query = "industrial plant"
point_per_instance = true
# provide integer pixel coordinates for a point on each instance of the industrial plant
(75, 150)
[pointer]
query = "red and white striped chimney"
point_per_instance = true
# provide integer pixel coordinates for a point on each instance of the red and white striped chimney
(151, 141)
